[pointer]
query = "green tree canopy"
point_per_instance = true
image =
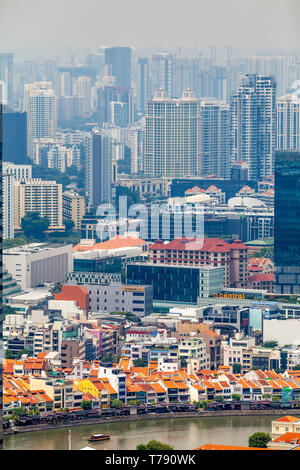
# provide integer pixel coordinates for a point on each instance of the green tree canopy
(86, 404)
(259, 439)
(154, 445)
(236, 368)
(33, 225)
(139, 363)
(116, 403)
(69, 224)
(270, 344)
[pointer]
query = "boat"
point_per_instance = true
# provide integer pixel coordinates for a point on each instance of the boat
(99, 437)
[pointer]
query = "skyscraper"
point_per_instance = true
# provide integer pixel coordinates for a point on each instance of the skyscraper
(253, 115)
(172, 140)
(119, 58)
(286, 222)
(143, 84)
(215, 138)
(288, 123)
(277, 66)
(14, 137)
(40, 105)
(98, 167)
(6, 78)
(108, 94)
(8, 202)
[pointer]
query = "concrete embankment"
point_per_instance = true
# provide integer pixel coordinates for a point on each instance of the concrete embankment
(118, 419)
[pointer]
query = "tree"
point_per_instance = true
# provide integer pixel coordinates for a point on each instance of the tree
(236, 368)
(33, 225)
(116, 403)
(270, 344)
(236, 397)
(154, 445)
(69, 225)
(19, 412)
(8, 310)
(86, 404)
(139, 363)
(107, 358)
(259, 439)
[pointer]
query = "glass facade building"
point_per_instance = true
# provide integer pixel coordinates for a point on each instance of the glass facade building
(286, 224)
(176, 283)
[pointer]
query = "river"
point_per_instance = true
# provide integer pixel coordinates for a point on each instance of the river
(181, 433)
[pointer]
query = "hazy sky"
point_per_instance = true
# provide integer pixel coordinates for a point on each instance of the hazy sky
(28, 27)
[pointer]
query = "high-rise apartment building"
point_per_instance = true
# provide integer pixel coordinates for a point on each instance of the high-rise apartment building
(186, 75)
(40, 105)
(7, 202)
(288, 123)
(108, 94)
(253, 114)
(119, 58)
(10, 173)
(172, 136)
(36, 195)
(162, 73)
(6, 78)
(73, 207)
(277, 66)
(98, 167)
(215, 138)
(286, 223)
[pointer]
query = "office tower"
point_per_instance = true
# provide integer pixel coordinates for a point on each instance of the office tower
(172, 143)
(36, 195)
(239, 171)
(162, 73)
(7, 202)
(98, 168)
(215, 138)
(118, 114)
(253, 115)
(40, 105)
(288, 123)
(14, 137)
(83, 88)
(119, 58)
(286, 223)
(279, 67)
(6, 78)
(143, 84)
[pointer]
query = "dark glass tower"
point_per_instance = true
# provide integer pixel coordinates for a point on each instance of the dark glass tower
(120, 60)
(15, 138)
(287, 222)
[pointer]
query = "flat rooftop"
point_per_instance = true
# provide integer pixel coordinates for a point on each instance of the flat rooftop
(32, 248)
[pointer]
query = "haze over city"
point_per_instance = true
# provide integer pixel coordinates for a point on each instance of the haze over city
(33, 27)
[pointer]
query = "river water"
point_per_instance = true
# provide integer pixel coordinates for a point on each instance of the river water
(181, 433)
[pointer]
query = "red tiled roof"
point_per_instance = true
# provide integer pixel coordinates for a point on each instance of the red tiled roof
(208, 244)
